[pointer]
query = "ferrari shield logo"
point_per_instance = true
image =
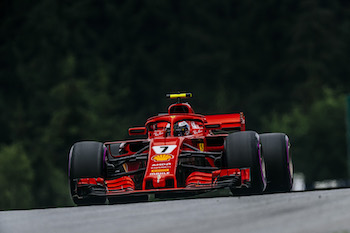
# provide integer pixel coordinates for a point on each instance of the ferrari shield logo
(201, 146)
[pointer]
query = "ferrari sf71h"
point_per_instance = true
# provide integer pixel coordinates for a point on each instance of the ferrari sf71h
(184, 154)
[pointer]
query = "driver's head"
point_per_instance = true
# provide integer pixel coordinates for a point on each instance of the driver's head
(181, 128)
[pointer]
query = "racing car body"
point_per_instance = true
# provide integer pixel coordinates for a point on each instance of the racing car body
(184, 153)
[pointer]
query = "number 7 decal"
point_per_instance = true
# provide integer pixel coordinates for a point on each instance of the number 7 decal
(164, 149)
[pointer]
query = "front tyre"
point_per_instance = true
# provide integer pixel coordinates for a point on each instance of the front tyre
(86, 160)
(279, 165)
(242, 150)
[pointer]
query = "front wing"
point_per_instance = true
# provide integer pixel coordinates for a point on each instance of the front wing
(196, 183)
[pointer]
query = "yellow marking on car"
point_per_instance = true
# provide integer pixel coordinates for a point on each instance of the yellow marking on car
(162, 157)
(180, 95)
(160, 170)
(201, 146)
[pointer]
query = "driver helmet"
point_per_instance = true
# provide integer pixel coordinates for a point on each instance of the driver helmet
(182, 128)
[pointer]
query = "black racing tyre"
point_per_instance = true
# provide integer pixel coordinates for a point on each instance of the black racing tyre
(242, 150)
(86, 160)
(279, 165)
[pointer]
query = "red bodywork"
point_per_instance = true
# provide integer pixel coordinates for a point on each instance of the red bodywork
(168, 161)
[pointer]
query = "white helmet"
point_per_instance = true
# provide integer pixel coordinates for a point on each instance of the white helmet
(182, 128)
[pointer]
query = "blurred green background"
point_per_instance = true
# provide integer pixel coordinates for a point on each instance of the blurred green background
(89, 69)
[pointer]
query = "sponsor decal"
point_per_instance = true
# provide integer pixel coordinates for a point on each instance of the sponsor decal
(166, 149)
(159, 170)
(161, 165)
(162, 157)
(158, 133)
(198, 131)
(159, 173)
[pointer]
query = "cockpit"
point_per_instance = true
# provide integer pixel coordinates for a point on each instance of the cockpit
(183, 127)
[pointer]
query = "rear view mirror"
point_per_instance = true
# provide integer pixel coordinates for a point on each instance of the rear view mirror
(213, 126)
(137, 131)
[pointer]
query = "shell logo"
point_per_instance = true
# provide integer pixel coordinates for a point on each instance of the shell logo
(162, 157)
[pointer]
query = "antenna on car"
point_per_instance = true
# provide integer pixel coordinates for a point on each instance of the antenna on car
(179, 96)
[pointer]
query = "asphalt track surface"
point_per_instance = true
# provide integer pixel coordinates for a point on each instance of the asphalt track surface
(316, 211)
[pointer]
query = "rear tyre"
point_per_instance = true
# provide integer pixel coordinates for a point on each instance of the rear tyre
(242, 150)
(86, 160)
(279, 165)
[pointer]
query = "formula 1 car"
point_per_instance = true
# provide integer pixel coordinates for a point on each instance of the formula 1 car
(184, 154)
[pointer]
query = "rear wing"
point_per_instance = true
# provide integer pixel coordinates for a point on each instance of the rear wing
(226, 122)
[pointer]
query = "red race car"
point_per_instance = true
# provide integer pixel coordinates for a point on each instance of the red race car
(184, 154)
